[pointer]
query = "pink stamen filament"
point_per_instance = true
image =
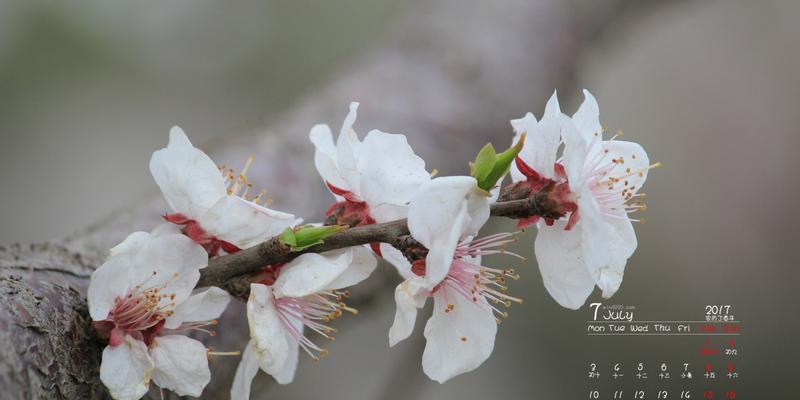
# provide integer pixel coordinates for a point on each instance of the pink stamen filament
(313, 312)
(199, 326)
(613, 194)
(142, 309)
(473, 281)
(486, 246)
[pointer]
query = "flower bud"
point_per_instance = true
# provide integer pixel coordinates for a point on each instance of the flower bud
(490, 167)
(306, 236)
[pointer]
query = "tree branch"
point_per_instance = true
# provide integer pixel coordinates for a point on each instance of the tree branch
(230, 271)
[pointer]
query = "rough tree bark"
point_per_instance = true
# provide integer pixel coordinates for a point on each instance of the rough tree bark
(450, 77)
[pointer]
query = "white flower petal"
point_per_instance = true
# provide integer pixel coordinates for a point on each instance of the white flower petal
(575, 153)
(244, 223)
(408, 299)
(389, 171)
(523, 125)
(548, 136)
(245, 372)
(126, 369)
(190, 181)
(360, 268)
(203, 305)
(595, 233)
(459, 340)
(634, 161)
(541, 145)
(442, 212)
(587, 118)
(398, 260)
(388, 212)
(348, 148)
(326, 155)
(622, 244)
(437, 206)
(266, 329)
(280, 354)
(171, 262)
(167, 228)
(478, 208)
(526, 124)
(132, 244)
(310, 273)
(108, 282)
(438, 263)
(560, 257)
(286, 375)
(607, 243)
(181, 364)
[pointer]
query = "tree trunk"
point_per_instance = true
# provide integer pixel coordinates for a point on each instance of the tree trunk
(449, 77)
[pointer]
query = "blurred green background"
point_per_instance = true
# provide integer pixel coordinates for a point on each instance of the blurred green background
(710, 88)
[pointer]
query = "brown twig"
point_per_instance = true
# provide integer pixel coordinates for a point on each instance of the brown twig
(232, 271)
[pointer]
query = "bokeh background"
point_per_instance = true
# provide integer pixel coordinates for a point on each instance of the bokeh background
(89, 89)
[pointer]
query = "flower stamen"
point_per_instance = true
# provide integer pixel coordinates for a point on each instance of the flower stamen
(614, 194)
(314, 312)
(475, 282)
(142, 311)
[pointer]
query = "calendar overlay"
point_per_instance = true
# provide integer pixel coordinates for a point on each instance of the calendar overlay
(663, 359)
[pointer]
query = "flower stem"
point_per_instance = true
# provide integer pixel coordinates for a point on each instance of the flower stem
(231, 272)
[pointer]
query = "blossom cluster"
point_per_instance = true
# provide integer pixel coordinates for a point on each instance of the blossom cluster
(145, 303)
